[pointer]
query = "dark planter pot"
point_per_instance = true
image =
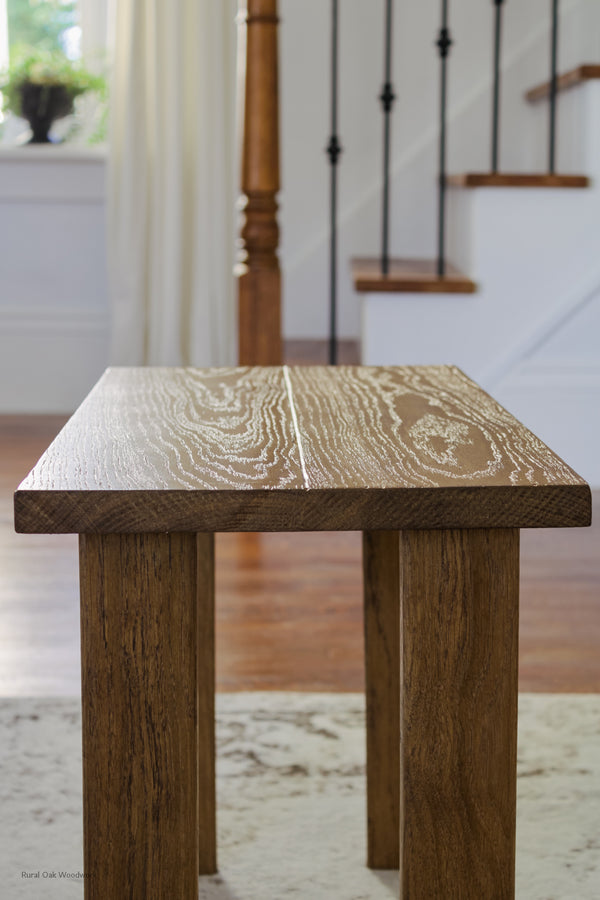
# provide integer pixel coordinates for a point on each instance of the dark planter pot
(41, 104)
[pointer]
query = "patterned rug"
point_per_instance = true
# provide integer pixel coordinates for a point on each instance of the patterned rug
(291, 798)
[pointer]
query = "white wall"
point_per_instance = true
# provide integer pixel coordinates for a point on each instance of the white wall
(529, 334)
(52, 212)
(53, 285)
(305, 34)
(550, 378)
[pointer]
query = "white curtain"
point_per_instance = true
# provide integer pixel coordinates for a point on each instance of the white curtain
(171, 182)
(93, 19)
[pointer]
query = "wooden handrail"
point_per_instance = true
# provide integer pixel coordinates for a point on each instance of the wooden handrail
(517, 179)
(565, 81)
(259, 285)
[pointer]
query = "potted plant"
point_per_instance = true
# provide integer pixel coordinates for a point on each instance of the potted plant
(42, 87)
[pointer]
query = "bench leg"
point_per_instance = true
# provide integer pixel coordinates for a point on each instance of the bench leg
(382, 669)
(207, 804)
(139, 622)
(458, 716)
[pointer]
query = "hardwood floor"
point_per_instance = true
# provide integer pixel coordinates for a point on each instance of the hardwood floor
(289, 606)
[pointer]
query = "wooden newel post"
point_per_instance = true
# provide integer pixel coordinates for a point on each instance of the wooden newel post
(259, 290)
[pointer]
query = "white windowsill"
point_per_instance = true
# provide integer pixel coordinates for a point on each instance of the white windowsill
(53, 153)
(55, 173)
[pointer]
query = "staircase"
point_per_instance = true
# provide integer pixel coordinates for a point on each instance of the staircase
(531, 244)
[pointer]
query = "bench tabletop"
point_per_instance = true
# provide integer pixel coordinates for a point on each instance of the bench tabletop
(303, 448)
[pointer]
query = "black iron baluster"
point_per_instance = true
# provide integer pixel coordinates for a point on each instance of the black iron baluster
(334, 150)
(496, 110)
(553, 88)
(387, 98)
(443, 43)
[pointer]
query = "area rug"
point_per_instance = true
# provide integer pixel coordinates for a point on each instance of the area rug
(291, 799)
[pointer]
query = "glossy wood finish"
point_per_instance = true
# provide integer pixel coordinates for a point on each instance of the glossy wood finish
(518, 180)
(140, 727)
(458, 719)
(289, 606)
(414, 276)
(381, 580)
(300, 449)
(567, 80)
(259, 287)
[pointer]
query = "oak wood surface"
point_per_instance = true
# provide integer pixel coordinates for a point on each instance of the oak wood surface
(139, 717)
(570, 79)
(415, 276)
(303, 448)
(458, 719)
(518, 179)
(381, 580)
(259, 285)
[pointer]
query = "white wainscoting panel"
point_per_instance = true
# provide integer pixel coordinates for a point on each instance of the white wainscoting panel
(49, 362)
(561, 404)
(54, 320)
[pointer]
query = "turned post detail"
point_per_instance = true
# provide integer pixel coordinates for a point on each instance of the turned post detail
(259, 286)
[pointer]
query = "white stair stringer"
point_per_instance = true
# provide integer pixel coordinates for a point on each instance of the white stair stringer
(535, 256)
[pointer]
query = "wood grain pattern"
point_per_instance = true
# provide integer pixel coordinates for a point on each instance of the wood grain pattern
(381, 580)
(567, 80)
(156, 429)
(459, 646)
(301, 449)
(259, 286)
(518, 180)
(140, 733)
(415, 276)
(207, 801)
(412, 426)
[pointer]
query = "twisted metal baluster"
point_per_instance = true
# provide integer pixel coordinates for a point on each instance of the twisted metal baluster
(553, 88)
(496, 106)
(334, 150)
(444, 42)
(387, 98)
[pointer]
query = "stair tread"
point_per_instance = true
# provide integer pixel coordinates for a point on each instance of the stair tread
(572, 78)
(415, 276)
(518, 179)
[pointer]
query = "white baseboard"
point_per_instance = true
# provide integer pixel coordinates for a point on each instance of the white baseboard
(49, 360)
(560, 404)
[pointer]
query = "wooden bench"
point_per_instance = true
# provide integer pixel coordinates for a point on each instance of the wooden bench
(438, 477)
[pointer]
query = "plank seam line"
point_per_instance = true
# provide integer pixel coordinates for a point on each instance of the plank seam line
(290, 393)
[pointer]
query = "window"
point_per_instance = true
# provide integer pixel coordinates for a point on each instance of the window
(76, 29)
(49, 25)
